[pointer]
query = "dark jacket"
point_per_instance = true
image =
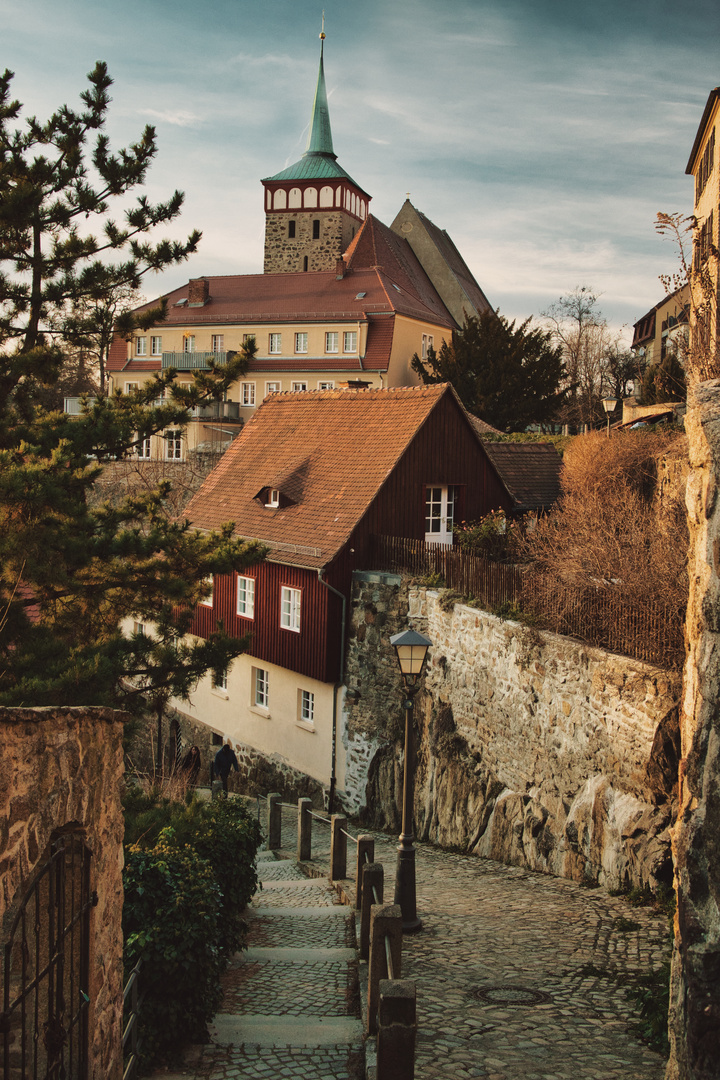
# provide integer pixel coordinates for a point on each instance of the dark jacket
(225, 760)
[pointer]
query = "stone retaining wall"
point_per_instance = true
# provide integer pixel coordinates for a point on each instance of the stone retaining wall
(532, 748)
(62, 767)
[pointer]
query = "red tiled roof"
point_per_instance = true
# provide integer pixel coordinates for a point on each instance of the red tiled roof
(333, 448)
(481, 427)
(529, 471)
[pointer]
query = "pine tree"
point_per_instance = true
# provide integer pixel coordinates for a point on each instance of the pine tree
(74, 574)
(508, 376)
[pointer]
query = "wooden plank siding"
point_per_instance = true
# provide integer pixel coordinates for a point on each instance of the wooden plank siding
(314, 651)
(444, 451)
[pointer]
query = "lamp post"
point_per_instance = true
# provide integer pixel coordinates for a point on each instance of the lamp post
(411, 649)
(609, 404)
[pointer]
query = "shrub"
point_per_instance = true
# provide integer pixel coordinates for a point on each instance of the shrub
(492, 537)
(171, 921)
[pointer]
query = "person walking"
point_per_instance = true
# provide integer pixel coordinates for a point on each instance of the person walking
(225, 760)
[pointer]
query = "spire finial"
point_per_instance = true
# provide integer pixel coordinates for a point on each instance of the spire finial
(322, 30)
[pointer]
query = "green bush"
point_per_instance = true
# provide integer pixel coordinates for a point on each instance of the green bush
(171, 921)
(492, 537)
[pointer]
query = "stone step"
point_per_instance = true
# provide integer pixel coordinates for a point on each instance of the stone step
(263, 1030)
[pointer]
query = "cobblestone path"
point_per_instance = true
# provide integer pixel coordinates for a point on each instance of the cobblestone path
(291, 1006)
(519, 975)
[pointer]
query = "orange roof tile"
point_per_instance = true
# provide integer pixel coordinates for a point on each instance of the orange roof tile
(329, 451)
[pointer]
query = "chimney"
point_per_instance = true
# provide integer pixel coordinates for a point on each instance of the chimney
(198, 292)
(339, 269)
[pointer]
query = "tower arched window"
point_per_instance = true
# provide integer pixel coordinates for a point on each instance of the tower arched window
(326, 196)
(310, 197)
(280, 199)
(295, 198)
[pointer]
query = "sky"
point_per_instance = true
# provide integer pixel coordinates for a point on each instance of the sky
(543, 135)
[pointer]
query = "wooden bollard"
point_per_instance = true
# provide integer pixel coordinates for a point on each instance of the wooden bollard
(274, 822)
(365, 846)
(338, 848)
(385, 921)
(373, 874)
(304, 850)
(397, 1027)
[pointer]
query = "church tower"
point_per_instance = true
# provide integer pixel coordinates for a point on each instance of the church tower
(313, 208)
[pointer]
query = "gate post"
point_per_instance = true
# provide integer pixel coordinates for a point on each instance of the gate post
(365, 846)
(397, 1027)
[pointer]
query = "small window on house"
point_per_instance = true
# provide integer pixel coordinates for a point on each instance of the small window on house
(331, 341)
(140, 629)
(173, 446)
(305, 262)
(350, 341)
(326, 384)
(298, 386)
(142, 449)
(208, 600)
(261, 688)
(217, 343)
(316, 230)
(360, 296)
(246, 597)
(156, 345)
(306, 708)
(301, 343)
(291, 230)
(273, 498)
(247, 338)
(275, 343)
(189, 343)
(290, 600)
(272, 387)
(141, 346)
(130, 386)
(220, 681)
(217, 740)
(247, 393)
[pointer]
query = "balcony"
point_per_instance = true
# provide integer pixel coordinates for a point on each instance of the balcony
(217, 410)
(71, 406)
(192, 361)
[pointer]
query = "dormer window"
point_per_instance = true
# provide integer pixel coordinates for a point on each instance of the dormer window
(273, 497)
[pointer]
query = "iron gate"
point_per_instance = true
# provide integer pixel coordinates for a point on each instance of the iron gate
(44, 1021)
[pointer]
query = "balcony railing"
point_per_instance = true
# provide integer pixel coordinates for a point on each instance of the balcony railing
(192, 361)
(217, 410)
(71, 406)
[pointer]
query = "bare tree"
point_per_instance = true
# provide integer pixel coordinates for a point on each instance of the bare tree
(579, 327)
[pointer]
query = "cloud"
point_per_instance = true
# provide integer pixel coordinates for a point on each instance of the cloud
(178, 117)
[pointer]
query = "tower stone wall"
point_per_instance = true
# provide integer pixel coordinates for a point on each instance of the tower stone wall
(286, 255)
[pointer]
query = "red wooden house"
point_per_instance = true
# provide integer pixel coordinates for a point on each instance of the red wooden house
(315, 476)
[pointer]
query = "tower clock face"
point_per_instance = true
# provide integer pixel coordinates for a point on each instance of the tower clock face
(406, 227)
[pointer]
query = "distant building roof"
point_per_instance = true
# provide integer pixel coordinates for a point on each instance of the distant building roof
(709, 105)
(329, 452)
(530, 472)
(482, 428)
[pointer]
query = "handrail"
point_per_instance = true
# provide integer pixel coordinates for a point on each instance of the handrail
(318, 817)
(355, 839)
(130, 1031)
(388, 956)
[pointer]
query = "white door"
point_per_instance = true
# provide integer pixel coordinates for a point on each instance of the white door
(439, 514)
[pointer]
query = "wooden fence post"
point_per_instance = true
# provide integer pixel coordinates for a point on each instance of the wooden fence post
(385, 921)
(274, 821)
(338, 848)
(397, 1027)
(304, 851)
(365, 846)
(372, 875)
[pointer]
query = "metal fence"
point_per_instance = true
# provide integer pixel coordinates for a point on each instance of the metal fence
(597, 615)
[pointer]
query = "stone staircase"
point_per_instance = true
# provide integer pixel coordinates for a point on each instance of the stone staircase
(291, 1003)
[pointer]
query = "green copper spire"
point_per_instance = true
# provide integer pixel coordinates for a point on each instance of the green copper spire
(320, 137)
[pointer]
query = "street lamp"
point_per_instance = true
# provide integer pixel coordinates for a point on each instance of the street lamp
(411, 649)
(609, 404)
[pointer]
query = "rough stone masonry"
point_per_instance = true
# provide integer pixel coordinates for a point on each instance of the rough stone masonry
(533, 749)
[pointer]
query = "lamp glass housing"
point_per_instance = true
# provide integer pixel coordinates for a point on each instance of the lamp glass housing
(411, 649)
(609, 404)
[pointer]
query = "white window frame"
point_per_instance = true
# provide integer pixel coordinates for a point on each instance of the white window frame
(326, 384)
(188, 343)
(299, 387)
(143, 449)
(156, 345)
(306, 710)
(173, 446)
(245, 597)
(273, 499)
(208, 600)
(332, 341)
(440, 509)
(301, 342)
(247, 394)
(290, 608)
(130, 386)
(273, 387)
(141, 346)
(140, 628)
(350, 341)
(274, 344)
(261, 688)
(221, 686)
(217, 343)
(247, 337)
